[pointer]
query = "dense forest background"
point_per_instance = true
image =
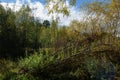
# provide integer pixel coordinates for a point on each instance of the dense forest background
(85, 50)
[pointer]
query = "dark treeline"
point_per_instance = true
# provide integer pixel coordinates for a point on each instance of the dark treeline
(19, 32)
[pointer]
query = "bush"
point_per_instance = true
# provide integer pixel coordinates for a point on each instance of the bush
(36, 60)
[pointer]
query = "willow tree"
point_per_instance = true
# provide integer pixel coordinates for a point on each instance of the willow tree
(108, 12)
(59, 6)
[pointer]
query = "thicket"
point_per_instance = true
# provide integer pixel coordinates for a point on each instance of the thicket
(84, 50)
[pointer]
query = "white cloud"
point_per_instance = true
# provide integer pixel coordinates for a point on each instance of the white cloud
(40, 11)
(74, 15)
(13, 6)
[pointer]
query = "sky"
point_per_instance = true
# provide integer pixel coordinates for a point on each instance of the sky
(43, 1)
(41, 12)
